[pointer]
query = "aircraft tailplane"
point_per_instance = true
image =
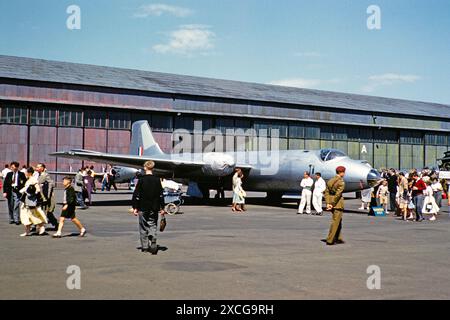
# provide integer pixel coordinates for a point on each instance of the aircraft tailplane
(142, 141)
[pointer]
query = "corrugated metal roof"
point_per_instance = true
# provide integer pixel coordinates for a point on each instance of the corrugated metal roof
(91, 75)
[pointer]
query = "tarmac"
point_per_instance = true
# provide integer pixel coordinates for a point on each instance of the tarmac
(208, 252)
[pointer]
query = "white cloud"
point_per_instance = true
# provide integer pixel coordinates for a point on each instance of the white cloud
(297, 82)
(305, 83)
(188, 39)
(158, 9)
(388, 79)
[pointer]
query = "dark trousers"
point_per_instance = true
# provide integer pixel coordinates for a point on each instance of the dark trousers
(148, 222)
(392, 201)
(418, 202)
(14, 208)
(80, 199)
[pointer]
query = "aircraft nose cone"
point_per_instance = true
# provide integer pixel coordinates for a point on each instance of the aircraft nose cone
(373, 177)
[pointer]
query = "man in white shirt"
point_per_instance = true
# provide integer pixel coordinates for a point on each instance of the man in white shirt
(306, 186)
(5, 171)
(319, 188)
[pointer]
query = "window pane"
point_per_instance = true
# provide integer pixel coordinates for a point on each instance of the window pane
(70, 118)
(282, 129)
(43, 116)
(95, 119)
(13, 114)
(312, 132)
(411, 137)
(296, 131)
(119, 120)
(225, 124)
(340, 133)
(184, 122)
(326, 132)
(162, 123)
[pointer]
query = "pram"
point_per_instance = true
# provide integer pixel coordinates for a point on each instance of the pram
(173, 197)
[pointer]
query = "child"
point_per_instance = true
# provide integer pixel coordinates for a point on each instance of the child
(68, 209)
(382, 194)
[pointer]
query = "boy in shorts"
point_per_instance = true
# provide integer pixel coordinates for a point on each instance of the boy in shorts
(68, 209)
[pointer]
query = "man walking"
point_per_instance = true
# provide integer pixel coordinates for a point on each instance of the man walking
(306, 185)
(47, 186)
(13, 183)
(335, 202)
(319, 187)
(147, 204)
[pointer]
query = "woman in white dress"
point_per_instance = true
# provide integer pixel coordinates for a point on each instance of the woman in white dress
(238, 192)
(429, 205)
(31, 212)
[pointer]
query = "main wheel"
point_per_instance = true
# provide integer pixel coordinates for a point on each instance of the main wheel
(171, 209)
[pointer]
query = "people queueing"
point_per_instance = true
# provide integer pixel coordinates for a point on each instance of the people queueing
(306, 184)
(383, 194)
(238, 191)
(148, 205)
(68, 209)
(403, 196)
(31, 212)
(319, 188)
(418, 187)
(429, 203)
(438, 190)
(47, 186)
(335, 203)
(392, 187)
(13, 182)
(79, 187)
(366, 196)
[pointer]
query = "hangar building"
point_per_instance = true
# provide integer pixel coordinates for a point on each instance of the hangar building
(48, 106)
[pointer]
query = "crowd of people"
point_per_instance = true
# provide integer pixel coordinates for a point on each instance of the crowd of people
(31, 199)
(410, 195)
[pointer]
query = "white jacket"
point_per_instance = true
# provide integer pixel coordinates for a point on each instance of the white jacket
(320, 185)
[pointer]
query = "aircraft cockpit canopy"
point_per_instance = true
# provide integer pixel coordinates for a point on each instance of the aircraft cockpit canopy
(330, 154)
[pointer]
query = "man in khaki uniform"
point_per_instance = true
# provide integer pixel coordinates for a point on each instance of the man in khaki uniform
(335, 203)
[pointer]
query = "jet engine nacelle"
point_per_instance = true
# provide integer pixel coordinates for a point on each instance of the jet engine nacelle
(218, 164)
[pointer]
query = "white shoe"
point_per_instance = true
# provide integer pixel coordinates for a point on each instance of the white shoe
(41, 230)
(82, 232)
(56, 235)
(26, 234)
(432, 218)
(361, 208)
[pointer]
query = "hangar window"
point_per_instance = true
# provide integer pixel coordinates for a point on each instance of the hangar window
(296, 130)
(385, 135)
(16, 115)
(411, 137)
(312, 132)
(69, 118)
(340, 133)
(326, 132)
(438, 139)
(282, 129)
(161, 122)
(119, 120)
(43, 116)
(184, 122)
(225, 125)
(95, 119)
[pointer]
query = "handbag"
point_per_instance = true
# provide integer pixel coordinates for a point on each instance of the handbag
(411, 206)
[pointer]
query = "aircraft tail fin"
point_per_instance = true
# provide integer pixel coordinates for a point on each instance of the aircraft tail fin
(142, 141)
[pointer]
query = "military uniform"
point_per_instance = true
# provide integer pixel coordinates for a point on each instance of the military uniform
(334, 197)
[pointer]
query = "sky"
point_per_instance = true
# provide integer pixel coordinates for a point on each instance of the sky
(322, 44)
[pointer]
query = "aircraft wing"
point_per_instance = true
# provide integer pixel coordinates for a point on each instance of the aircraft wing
(169, 164)
(72, 173)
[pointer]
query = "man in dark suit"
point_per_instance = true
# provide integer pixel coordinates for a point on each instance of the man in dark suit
(147, 204)
(13, 182)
